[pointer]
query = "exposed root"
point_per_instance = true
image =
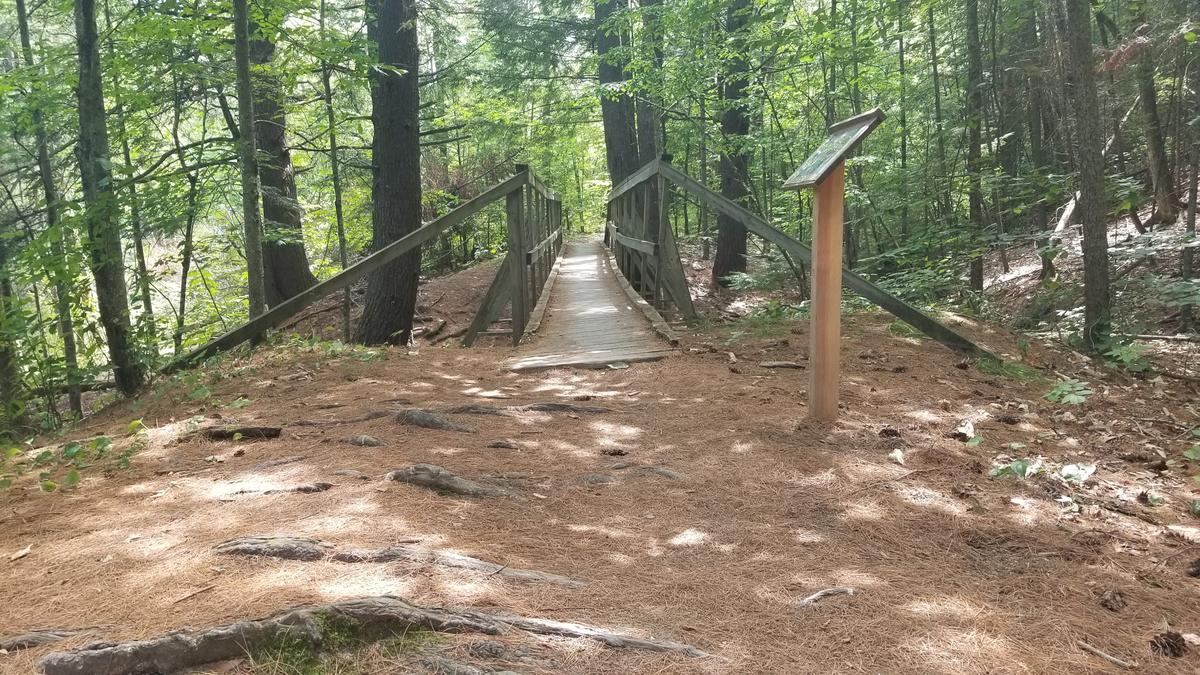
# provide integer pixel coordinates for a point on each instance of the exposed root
(825, 593)
(429, 420)
(226, 433)
(37, 638)
(298, 548)
(311, 626)
(440, 480)
(548, 407)
(1128, 665)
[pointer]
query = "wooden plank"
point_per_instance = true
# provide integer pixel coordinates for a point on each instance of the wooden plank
(493, 302)
(647, 247)
(902, 310)
(515, 210)
(596, 360)
(542, 245)
(674, 279)
(344, 279)
(825, 349)
(539, 311)
(636, 178)
(656, 320)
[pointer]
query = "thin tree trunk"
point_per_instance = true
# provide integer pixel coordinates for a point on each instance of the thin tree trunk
(1188, 263)
(1037, 152)
(104, 233)
(974, 141)
(248, 160)
(901, 30)
(336, 171)
(396, 149)
(938, 118)
(1165, 197)
(734, 166)
(189, 224)
(1089, 135)
(58, 272)
(285, 263)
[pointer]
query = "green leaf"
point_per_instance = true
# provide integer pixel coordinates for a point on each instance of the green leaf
(1192, 453)
(43, 457)
(72, 478)
(135, 426)
(5, 483)
(239, 402)
(70, 450)
(49, 485)
(1195, 507)
(975, 440)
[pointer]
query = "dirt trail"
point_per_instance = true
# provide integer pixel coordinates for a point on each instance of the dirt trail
(701, 509)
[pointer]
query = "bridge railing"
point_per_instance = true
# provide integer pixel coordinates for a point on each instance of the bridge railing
(534, 219)
(632, 248)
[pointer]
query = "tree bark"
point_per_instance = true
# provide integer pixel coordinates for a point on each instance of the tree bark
(104, 234)
(285, 263)
(248, 160)
(616, 107)
(57, 273)
(1092, 210)
(734, 163)
(392, 290)
(335, 170)
(1165, 197)
(974, 141)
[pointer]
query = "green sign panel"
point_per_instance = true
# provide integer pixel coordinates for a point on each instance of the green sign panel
(844, 137)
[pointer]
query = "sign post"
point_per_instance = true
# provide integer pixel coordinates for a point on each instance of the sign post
(825, 172)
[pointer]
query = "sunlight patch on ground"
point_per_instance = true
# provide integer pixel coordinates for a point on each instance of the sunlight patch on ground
(601, 530)
(823, 479)
(803, 536)
(955, 650)
(361, 580)
(862, 510)
(484, 393)
(950, 608)
(1025, 511)
(616, 431)
(855, 578)
(742, 447)
(653, 549)
(923, 496)
(620, 559)
(863, 471)
(926, 416)
(689, 537)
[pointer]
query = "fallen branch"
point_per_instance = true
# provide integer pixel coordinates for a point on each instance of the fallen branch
(1128, 665)
(37, 638)
(825, 593)
(377, 615)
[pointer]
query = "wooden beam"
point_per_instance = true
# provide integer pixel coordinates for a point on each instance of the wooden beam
(533, 252)
(647, 247)
(825, 350)
(344, 279)
(673, 278)
(493, 302)
(902, 310)
(636, 178)
(515, 210)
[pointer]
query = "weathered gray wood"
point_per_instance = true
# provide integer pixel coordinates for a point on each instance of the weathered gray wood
(515, 210)
(539, 310)
(637, 178)
(543, 245)
(673, 277)
(344, 279)
(647, 247)
(497, 296)
(866, 289)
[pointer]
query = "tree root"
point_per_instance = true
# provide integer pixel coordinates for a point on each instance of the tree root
(37, 638)
(442, 481)
(429, 420)
(314, 627)
(299, 548)
(825, 593)
(548, 407)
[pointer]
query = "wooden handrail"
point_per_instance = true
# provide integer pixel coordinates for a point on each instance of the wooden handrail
(541, 246)
(858, 284)
(290, 307)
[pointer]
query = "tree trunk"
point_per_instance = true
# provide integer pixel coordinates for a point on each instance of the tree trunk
(974, 141)
(335, 169)
(1188, 262)
(189, 223)
(734, 164)
(901, 31)
(248, 160)
(1165, 197)
(938, 119)
(392, 290)
(616, 107)
(285, 264)
(1092, 210)
(1037, 151)
(649, 119)
(57, 273)
(104, 233)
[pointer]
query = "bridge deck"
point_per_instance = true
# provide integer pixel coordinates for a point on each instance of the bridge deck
(590, 322)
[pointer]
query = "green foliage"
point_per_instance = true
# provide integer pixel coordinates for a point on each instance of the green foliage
(1020, 468)
(767, 320)
(1129, 356)
(62, 468)
(1008, 369)
(1069, 392)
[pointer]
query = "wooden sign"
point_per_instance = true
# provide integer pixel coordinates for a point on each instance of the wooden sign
(844, 137)
(826, 170)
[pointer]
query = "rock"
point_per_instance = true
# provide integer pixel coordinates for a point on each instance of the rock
(1194, 570)
(504, 444)
(964, 432)
(897, 456)
(661, 471)
(287, 548)
(889, 432)
(619, 465)
(596, 479)
(365, 441)
(440, 480)
(311, 488)
(487, 649)
(614, 452)
(1112, 600)
(428, 420)
(564, 407)
(1008, 419)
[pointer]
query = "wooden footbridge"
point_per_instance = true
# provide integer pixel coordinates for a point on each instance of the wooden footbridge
(588, 302)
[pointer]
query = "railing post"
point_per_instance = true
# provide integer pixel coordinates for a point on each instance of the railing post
(515, 212)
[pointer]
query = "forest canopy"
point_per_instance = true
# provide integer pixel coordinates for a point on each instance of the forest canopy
(173, 168)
